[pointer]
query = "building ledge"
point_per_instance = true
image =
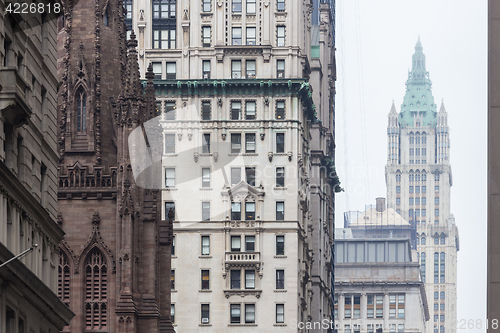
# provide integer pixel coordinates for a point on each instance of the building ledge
(13, 104)
(242, 292)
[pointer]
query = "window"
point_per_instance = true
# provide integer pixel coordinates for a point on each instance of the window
(250, 68)
(169, 143)
(442, 242)
(250, 211)
(251, 37)
(236, 211)
(436, 240)
(235, 176)
(236, 36)
(441, 306)
(64, 278)
(205, 279)
(436, 200)
(398, 189)
(280, 177)
(235, 243)
(96, 282)
(280, 313)
(436, 189)
(280, 210)
(235, 310)
(157, 70)
(236, 69)
(436, 212)
(424, 212)
(280, 245)
(172, 279)
(172, 313)
(280, 34)
(441, 318)
(171, 70)
(164, 38)
(280, 69)
(441, 329)
(411, 189)
(411, 201)
(128, 9)
(250, 143)
(207, 5)
(207, 35)
(441, 295)
(169, 177)
(436, 177)
(424, 189)
(169, 111)
(250, 110)
(81, 110)
(280, 142)
(398, 177)
(249, 279)
(423, 241)
(205, 177)
(206, 110)
(398, 201)
(163, 9)
(436, 317)
(251, 8)
(250, 175)
(235, 279)
(417, 189)
(168, 206)
(280, 110)
(235, 143)
(205, 313)
(436, 295)
(236, 6)
(205, 148)
(249, 313)
(280, 5)
(424, 200)
(235, 110)
(280, 279)
(205, 211)
(206, 72)
(205, 245)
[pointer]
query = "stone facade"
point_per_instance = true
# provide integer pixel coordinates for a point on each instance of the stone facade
(419, 180)
(114, 261)
(246, 95)
(28, 175)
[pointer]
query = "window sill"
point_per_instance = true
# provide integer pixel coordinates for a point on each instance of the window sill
(205, 291)
(173, 257)
(280, 290)
(250, 154)
(280, 257)
(173, 291)
(205, 257)
(279, 325)
(232, 325)
(279, 188)
(170, 189)
(206, 188)
(169, 155)
(205, 325)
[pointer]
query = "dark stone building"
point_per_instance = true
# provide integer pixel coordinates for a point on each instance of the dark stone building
(114, 264)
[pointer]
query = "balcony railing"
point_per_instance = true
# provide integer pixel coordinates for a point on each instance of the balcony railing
(242, 257)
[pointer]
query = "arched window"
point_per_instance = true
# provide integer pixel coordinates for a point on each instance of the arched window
(106, 17)
(422, 241)
(63, 282)
(436, 240)
(81, 110)
(96, 290)
(442, 240)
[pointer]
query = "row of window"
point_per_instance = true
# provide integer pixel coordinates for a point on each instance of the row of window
(374, 306)
(417, 201)
(437, 240)
(236, 245)
(237, 6)
(416, 151)
(417, 177)
(417, 189)
(417, 161)
(235, 313)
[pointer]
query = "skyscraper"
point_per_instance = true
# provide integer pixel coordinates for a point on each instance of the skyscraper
(419, 180)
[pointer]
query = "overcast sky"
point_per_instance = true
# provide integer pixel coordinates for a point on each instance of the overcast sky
(375, 40)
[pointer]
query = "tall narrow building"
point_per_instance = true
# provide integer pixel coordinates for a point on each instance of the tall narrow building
(419, 180)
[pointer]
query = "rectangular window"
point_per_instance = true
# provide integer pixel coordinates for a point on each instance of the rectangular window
(168, 206)
(436, 200)
(169, 177)
(235, 176)
(280, 210)
(236, 69)
(250, 175)
(172, 313)
(235, 110)
(369, 313)
(205, 313)
(172, 249)
(236, 211)
(249, 211)
(417, 189)
(280, 245)
(280, 34)
(205, 211)
(172, 279)
(280, 69)
(207, 36)
(205, 245)
(206, 71)
(398, 189)
(236, 34)
(436, 212)
(169, 143)
(280, 177)
(280, 5)
(235, 143)
(436, 189)
(164, 39)
(411, 201)
(235, 279)
(250, 143)
(205, 177)
(249, 313)
(411, 189)
(235, 310)
(280, 110)
(280, 313)
(280, 279)
(205, 110)
(249, 279)
(250, 68)
(171, 70)
(205, 148)
(235, 243)
(250, 110)
(169, 111)
(236, 6)
(398, 201)
(157, 70)
(250, 243)
(251, 7)
(251, 36)
(205, 279)
(424, 212)
(207, 6)
(280, 142)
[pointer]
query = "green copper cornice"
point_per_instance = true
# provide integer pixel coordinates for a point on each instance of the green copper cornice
(418, 103)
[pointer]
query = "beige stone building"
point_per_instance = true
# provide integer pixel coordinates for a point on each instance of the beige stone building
(28, 158)
(245, 94)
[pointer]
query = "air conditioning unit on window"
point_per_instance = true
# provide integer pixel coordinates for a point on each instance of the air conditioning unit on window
(205, 76)
(204, 320)
(251, 76)
(236, 76)
(280, 75)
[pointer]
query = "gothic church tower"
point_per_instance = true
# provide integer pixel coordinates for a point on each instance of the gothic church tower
(114, 264)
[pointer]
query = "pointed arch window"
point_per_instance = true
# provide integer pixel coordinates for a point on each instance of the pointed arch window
(63, 282)
(96, 291)
(81, 110)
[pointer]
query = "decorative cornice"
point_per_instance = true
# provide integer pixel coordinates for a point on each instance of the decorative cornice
(242, 293)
